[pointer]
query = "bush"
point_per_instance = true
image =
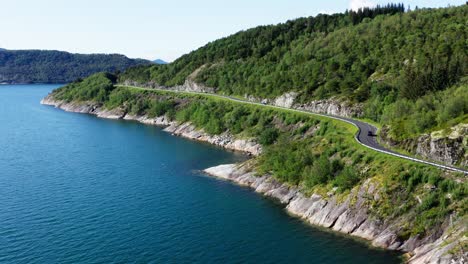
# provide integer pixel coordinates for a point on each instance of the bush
(214, 126)
(430, 201)
(268, 136)
(139, 107)
(118, 98)
(171, 114)
(324, 126)
(159, 108)
(357, 157)
(319, 173)
(346, 179)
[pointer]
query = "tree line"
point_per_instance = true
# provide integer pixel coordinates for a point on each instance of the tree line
(47, 66)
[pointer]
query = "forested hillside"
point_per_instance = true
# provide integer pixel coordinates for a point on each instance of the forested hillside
(43, 66)
(318, 154)
(382, 57)
(405, 70)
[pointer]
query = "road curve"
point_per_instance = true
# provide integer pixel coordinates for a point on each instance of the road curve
(362, 136)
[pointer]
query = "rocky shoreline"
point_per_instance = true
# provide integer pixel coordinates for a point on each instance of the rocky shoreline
(349, 215)
(186, 130)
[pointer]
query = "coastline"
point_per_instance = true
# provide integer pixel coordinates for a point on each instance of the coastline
(349, 215)
(186, 130)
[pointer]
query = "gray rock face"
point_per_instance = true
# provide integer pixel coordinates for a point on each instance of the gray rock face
(447, 147)
(332, 107)
(84, 107)
(187, 130)
(450, 149)
(349, 216)
(329, 106)
(446, 249)
(225, 140)
(188, 86)
(286, 100)
(191, 86)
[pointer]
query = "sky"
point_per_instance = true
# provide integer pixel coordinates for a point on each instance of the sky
(153, 29)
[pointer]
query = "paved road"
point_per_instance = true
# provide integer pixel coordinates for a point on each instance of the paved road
(363, 136)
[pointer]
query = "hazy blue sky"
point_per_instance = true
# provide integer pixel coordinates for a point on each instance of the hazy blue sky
(152, 28)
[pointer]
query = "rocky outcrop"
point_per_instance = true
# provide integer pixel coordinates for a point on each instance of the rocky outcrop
(286, 100)
(448, 248)
(188, 86)
(328, 106)
(349, 215)
(450, 149)
(187, 130)
(225, 140)
(332, 107)
(191, 86)
(84, 107)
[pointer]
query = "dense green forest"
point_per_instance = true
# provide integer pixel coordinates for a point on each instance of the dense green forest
(382, 57)
(318, 154)
(43, 66)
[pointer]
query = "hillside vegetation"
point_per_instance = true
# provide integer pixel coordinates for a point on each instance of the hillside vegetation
(408, 70)
(317, 154)
(44, 66)
(384, 58)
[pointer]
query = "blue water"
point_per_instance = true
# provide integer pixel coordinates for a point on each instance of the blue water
(78, 189)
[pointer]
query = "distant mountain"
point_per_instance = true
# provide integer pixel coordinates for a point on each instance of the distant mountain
(50, 66)
(159, 61)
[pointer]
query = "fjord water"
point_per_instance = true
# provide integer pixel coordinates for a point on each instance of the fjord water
(78, 189)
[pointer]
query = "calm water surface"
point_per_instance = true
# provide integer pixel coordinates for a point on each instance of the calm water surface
(78, 189)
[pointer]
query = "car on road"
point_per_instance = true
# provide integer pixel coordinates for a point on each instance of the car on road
(370, 134)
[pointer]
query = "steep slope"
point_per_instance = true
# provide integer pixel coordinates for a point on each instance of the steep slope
(404, 70)
(329, 55)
